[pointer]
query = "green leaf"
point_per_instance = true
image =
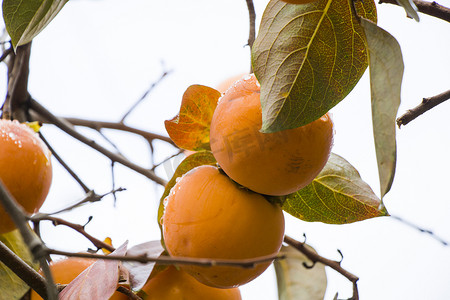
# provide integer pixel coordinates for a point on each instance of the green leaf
(386, 73)
(307, 58)
(410, 8)
(190, 162)
(11, 286)
(337, 195)
(295, 282)
(190, 128)
(26, 19)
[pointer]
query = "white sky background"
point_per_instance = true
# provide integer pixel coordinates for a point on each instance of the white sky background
(98, 57)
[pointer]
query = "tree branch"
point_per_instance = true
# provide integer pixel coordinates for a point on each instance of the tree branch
(97, 125)
(37, 108)
(427, 104)
(152, 86)
(335, 265)
(65, 166)
(430, 8)
(23, 270)
(77, 227)
(171, 260)
(37, 248)
(17, 95)
(252, 30)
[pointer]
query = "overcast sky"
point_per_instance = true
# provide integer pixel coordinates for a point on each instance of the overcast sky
(98, 57)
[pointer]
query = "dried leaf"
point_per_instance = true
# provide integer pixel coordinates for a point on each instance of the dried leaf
(295, 282)
(140, 272)
(386, 73)
(11, 286)
(26, 19)
(337, 195)
(190, 128)
(99, 281)
(307, 58)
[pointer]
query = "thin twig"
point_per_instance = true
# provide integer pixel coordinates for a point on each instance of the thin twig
(335, 265)
(97, 125)
(77, 227)
(252, 29)
(171, 260)
(37, 248)
(128, 293)
(91, 196)
(152, 86)
(426, 105)
(65, 166)
(23, 270)
(46, 115)
(427, 231)
(5, 54)
(430, 8)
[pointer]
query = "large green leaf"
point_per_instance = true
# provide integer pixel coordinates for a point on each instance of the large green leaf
(386, 73)
(25, 19)
(11, 286)
(307, 58)
(294, 281)
(337, 195)
(190, 162)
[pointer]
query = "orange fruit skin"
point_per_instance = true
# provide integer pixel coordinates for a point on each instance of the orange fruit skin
(66, 270)
(25, 168)
(173, 284)
(227, 83)
(207, 215)
(275, 164)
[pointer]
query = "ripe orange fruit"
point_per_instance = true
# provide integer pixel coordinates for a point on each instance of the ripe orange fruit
(66, 270)
(173, 284)
(277, 163)
(227, 83)
(207, 215)
(25, 168)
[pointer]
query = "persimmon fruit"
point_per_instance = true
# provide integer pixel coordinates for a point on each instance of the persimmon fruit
(173, 284)
(227, 83)
(276, 163)
(207, 215)
(25, 168)
(66, 270)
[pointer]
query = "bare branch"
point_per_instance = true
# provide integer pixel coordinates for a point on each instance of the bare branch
(23, 270)
(252, 30)
(37, 248)
(152, 86)
(431, 233)
(37, 108)
(97, 125)
(65, 166)
(172, 260)
(426, 105)
(6, 53)
(91, 196)
(430, 8)
(77, 227)
(17, 95)
(128, 293)
(335, 265)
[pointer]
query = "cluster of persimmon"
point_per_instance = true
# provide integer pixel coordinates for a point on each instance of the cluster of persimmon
(25, 169)
(223, 212)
